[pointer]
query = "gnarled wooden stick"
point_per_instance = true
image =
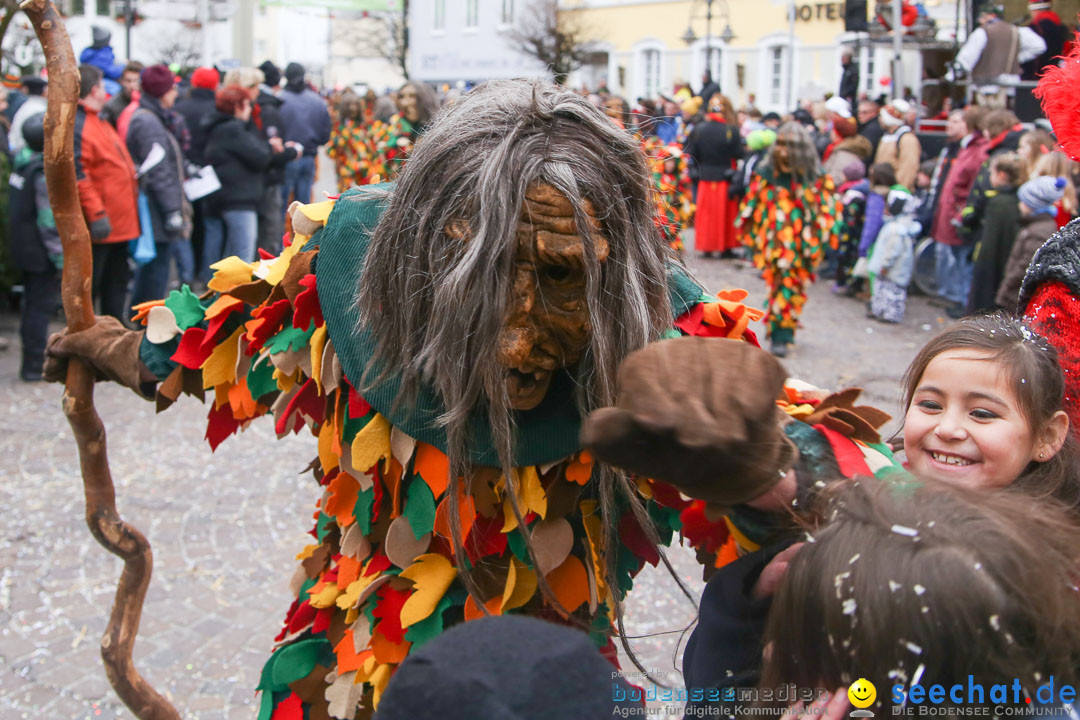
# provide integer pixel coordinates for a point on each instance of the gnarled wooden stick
(105, 524)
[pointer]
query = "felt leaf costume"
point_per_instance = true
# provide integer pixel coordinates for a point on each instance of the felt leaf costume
(390, 145)
(352, 153)
(674, 200)
(787, 224)
(278, 337)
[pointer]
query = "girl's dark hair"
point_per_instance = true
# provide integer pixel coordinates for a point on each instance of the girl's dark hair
(231, 98)
(928, 584)
(1032, 368)
(882, 174)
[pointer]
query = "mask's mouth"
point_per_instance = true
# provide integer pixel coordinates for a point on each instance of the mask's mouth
(527, 389)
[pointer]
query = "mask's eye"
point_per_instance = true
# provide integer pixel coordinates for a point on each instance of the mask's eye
(557, 273)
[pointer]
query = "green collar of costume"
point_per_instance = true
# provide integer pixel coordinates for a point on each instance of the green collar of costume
(544, 434)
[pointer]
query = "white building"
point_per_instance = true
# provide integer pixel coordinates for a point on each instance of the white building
(455, 41)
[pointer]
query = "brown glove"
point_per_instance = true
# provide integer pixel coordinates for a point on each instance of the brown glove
(108, 347)
(701, 414)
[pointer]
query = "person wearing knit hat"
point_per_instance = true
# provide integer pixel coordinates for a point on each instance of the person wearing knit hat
(34, 89)
(854, 171)
(1037, 223)
(839, 106)
(206, 78)
(271, 74)
(157, 81)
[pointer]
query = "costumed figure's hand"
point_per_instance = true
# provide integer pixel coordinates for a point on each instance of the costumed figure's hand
(701, 414)
(108, 347)
(100, 228)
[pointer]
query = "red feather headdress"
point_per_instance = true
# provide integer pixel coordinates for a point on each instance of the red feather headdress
(1058, 91)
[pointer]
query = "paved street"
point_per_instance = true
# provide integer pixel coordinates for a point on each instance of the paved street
(224, 537)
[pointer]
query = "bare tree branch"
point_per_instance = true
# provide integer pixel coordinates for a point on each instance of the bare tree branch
(557, 39)
(375, 34)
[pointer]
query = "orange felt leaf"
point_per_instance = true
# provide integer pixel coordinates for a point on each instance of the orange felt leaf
(327, 458)
(386, 651)
(348, 571)
(347, 657)
(343, 491)
(570, 584)
(433, 466)
(580, 468)
(143, 309)
(241, 402)
(733, 294)
(466, 514)
(473, 612)
(392, 480)
(223, 304)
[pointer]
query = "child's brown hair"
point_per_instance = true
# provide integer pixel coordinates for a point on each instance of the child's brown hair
(1012, 166)
(928, 584)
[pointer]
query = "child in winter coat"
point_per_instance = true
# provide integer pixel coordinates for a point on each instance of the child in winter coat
(1000, 225)
(853, 193)
(893, 258)
(882, 178)
(1038, 213)
(35, 248)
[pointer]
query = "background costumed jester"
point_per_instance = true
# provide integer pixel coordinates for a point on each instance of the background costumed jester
(790, 213)
(443, 339)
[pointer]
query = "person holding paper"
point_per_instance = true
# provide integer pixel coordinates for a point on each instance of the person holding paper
(108, 194)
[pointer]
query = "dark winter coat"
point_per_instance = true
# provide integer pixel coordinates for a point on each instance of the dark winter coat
(32, 235)
(163, 184)
(849, 83)
(873, 132)
(716, 148)
(195, 108)
(972, 215)
(267, 118)
(116, 104)
(240, 157)
(1001, 223)
(1034, 231)
(305, 119)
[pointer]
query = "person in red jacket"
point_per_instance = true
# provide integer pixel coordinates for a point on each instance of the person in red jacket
(108, 193)
(952, 256)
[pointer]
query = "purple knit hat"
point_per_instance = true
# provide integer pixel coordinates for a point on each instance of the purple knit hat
(157, 80)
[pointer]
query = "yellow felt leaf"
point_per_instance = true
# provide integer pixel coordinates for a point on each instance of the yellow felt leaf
(318, 212)
(325, 598)
(285, 382)
(220, 367)
(530, 496)
(431, 574)
(230, 272)
(379, 679)
(520, 585)
(352, 593)
(316, 343)
(328, 459)
(276, 272)
(371, 444)
(594, 533)
(307, 552)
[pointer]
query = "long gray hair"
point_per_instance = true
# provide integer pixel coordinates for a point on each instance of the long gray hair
(437, 303)
(802, 156)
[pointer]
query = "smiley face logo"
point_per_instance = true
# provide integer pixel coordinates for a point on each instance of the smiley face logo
(862, 693)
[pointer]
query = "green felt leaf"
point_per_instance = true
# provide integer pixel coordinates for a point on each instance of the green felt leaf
(266, 706)
(260, 379)
(600, 633)
(307, 585)
(516, 540)
(324, 526)
(627, 565)
(355, 425)
(290, 339)
(266, 680)
(186, 307)
(420, 507)
(296, 661)
(365, 500)
(430, 626)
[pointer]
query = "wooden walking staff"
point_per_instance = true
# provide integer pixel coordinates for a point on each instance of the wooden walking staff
(105, 524)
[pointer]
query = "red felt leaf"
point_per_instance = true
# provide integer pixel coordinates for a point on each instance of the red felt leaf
(190, 353)
(700, 530)
(358, 406)
(215, 326)
(265, 322)
(291, 708)
(304, 616)
(220, 424)
(667, 495)
(322, 620)
(265, 255)
(288, 616)
(633, 537)
(485, 538)
(388, 610)
(378, 563)
(307, 403)
(307, 305)
(692, 322)
(849, 457)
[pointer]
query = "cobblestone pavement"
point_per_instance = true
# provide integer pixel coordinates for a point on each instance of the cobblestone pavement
(224, 538)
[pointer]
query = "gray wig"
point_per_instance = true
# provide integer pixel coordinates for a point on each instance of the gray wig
(427, 101)
(437, 303)
(802, 156)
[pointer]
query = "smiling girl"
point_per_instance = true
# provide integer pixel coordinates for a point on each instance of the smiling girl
(984, 410)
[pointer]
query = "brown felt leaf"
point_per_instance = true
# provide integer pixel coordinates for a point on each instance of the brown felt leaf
(401, 544)
(343, 696)
(253, 293)
(298, 269)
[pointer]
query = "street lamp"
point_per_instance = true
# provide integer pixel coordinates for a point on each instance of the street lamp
(726, 36)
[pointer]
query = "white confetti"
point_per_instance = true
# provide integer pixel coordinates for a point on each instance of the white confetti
(995, 622)
(849, 606)
(912, 647)
(901, 530)
(918, 674)
(854, 558)
(894, 586)
(919, 589)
